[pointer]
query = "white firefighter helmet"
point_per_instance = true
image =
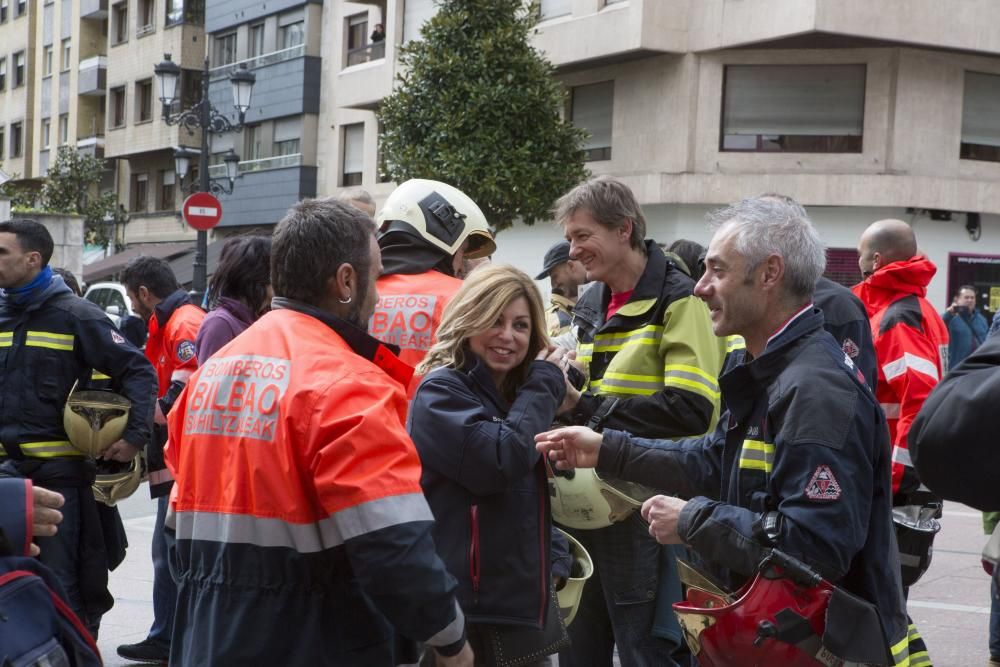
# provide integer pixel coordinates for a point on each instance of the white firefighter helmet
(94, 420)
(581, 499)
(440, 214)
(581, 569)
(117, 480)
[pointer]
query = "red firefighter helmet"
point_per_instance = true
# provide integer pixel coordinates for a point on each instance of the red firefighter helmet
(778, 618)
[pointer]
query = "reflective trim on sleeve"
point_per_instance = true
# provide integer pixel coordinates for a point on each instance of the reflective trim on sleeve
(52, 341)
(181, 375)
(49, 449)
(901, 455)
(691, 378)
(451, 632)
(160, 477)
(326, 533)
(757, 455)
(891, 410)
(735, 343)
(3, 452)
(585, 352)
(909, 361)
(6, 338)
(628, 383)
(98, 375)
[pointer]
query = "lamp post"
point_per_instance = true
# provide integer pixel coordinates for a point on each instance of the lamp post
(205, 117)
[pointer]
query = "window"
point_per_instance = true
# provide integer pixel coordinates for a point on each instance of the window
(292, 34)
(842, 266)
(118, 107)
(47, 61)
(140, 183)
(552, 8)
(16, 139)
(4, 6)
(185, 11)
(357, 39)
(354, 153)
(143, 101)
(166, 202)
(190, 87)
(252, 149)
(793, 108)
(256, 40)
(591, 111)
(225, 49)
(3, 73)
(19, 69)
(981, 117)
(46, 133)
(286, 147)
(67, 53)
(22, 7)
(147, 17)
(119, 22)
(64, 129)
(3, 141)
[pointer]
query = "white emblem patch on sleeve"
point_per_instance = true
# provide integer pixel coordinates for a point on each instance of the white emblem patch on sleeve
(117, 337)
(823, 485)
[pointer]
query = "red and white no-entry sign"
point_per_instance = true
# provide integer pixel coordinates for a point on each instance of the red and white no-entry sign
(202, 211)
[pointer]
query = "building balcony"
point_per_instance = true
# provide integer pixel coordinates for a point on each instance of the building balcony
(612, 32)
(288, 84)
(266, 189)
(95, 10)
(92, 146)
(93, 77)
(367, 77)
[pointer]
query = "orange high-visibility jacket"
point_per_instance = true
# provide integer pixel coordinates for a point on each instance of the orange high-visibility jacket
(302, 535)
(408, 313)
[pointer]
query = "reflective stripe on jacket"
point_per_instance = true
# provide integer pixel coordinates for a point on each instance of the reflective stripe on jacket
(911, 344)
(657, 353)
(408, 313)
(298, 505)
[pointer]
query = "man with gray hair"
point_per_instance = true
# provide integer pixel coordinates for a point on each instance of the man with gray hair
(797, 471)
(360, 199)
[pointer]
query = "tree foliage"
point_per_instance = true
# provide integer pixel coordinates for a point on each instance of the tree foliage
(72, 186)
(477, 107)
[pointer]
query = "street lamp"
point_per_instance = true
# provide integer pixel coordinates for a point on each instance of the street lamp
(203, 116)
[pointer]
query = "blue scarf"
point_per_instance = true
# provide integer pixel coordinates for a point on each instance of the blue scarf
(22, 296)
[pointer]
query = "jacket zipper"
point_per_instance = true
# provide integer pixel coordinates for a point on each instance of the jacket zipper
(474, 557)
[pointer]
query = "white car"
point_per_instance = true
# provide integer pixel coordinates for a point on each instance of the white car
(112, 299)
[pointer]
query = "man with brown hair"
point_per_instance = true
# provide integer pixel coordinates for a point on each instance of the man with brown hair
(653, 361)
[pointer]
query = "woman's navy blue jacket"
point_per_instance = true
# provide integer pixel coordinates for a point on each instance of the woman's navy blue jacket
(487, 487)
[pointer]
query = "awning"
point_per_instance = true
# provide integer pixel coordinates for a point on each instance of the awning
(183, 266)
(109, 266)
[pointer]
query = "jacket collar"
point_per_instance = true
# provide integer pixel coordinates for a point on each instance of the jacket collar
(894, 281)
(381, 354)
(55, 287)
(593, 304)
(164, 310)
(237, 309)
(741, 383)
(480, 374)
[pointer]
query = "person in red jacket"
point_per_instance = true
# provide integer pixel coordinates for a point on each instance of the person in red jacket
(911, 341)
(173, 323)
(302, 536)
(426, 231)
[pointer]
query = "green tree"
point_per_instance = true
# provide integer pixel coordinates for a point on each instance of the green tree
(71, 186)
(478, 107)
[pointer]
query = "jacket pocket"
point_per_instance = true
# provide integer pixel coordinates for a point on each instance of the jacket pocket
(475, 556)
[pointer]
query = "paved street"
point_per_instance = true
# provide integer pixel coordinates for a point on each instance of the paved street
(950, 605)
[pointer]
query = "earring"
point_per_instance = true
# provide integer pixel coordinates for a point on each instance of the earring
(345, 301)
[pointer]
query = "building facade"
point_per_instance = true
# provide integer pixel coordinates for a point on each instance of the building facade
(17, 87)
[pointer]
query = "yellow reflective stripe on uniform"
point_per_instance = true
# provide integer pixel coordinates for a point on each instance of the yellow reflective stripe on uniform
(692, 378)
(3, 452)
(98, 375)
(920, 657)
(901, 653)
(735, 343)
(757, 455)
(614, 342)
(595, 385)
(585, 352)
(6, 338)
(628, 383)
(49, 449)
(53, 341)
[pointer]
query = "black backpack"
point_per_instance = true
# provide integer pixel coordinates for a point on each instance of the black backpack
(36, 624)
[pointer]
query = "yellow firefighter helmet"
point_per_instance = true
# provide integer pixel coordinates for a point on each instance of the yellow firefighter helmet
(581, 569)
(94, 420)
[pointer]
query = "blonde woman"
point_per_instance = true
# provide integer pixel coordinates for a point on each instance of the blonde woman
(493, 382)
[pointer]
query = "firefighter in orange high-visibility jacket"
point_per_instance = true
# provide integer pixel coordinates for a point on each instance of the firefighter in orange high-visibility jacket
(426, 230)
(301, 533)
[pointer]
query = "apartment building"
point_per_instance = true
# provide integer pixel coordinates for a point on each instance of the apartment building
(137, 139)
(279, 41)
(859, 110)
(17, 87)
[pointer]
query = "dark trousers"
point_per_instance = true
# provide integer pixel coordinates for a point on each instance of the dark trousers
(61, 552)
(164, 588)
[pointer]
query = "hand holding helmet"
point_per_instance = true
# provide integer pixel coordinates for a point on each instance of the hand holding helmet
(570, 447)
(122, 451)
(662, 514)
